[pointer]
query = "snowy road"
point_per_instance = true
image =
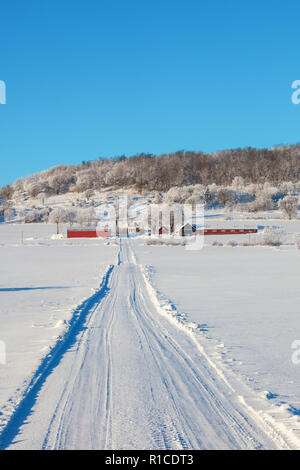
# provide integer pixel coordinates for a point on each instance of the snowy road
(127, 378)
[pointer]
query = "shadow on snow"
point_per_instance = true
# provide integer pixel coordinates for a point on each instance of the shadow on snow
(21, 289)
(51, 361)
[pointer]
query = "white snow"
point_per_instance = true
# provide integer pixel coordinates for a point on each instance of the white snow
(245, 301)
(147, 347)
(41, 283)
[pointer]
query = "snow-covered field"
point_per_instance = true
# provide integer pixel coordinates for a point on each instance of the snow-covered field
(174, 349)
(247, 303)
(41, 284)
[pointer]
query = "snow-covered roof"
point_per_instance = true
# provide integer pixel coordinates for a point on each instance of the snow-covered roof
(187, 224)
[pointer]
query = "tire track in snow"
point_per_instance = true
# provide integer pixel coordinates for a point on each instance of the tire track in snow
(149, 328)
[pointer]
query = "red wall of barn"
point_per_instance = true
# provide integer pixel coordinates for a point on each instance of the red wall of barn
(106, 233)
(88, 233)
(227, 231)
(82, 234)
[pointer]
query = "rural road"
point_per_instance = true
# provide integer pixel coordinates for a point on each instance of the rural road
(127, 378)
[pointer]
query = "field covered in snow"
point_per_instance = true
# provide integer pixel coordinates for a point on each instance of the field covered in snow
(175, 348)
(246, 302)
(42, 281)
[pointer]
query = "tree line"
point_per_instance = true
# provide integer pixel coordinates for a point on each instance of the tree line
(161, 172)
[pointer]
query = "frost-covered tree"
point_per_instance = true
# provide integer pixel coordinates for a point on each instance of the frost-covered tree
(208, 197)
(43, 197)
(263, 202)
(238, 183)
(21, 213)
(30, 217)
(6, 192)
(224, 196)
(91, 215)
(18, 185)
(158, 199)
(71, 216)
(287, 187)
(272, 236)
(36, 216)
(9, 214)
(86, 216)
(289, 206)
(174, 195)
(61, 179)
(58, 216)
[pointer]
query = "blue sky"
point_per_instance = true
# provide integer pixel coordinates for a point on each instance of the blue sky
(108, 77)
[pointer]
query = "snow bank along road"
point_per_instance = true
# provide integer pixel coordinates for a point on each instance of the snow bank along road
(126, 377)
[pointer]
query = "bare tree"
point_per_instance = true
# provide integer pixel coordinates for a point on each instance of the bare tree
(71, 216)
(58, 216)
(289, 206)
(224, 196)
(262, 202)
(9, 213)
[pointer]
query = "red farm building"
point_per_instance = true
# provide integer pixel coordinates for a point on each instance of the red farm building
(163, 230)
(226, 231)
(87, 233)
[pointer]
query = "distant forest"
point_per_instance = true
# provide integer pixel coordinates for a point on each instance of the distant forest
(162, 172)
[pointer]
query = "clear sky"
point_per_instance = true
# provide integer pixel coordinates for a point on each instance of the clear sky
(109, 77)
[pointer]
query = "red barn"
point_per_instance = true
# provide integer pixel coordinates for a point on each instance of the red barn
(87, 233)
(227, 231)
(163, 230)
